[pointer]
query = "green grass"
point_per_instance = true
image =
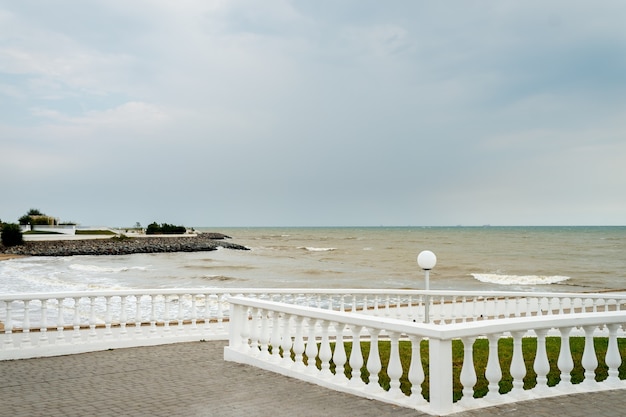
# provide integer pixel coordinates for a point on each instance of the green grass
(481, 355)
(94, 232)
(41, 232)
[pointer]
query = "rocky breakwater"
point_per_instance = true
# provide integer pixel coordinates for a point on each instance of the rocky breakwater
(123, 245)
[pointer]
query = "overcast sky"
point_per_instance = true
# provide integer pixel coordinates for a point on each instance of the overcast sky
(314, 113)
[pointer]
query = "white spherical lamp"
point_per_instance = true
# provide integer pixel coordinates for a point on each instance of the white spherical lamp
(426, 260)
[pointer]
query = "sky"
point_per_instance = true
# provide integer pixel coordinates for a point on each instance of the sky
(314, 113)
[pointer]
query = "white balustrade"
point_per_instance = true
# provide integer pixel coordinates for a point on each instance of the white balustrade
(303, 328)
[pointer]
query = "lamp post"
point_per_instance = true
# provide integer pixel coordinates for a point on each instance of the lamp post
(427, 261)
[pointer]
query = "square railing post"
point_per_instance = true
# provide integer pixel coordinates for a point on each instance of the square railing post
(440, 375)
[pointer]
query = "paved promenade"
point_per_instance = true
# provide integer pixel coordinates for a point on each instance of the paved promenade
(191, 379)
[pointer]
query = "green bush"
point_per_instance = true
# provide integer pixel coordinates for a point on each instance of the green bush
(12, 234)
(164, 228)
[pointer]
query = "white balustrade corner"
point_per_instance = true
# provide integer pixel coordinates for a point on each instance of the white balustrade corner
(280, 337)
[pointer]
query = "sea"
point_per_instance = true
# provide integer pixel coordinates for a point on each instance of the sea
(556, 259)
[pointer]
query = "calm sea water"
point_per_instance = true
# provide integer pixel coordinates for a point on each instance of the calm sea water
(471, 258)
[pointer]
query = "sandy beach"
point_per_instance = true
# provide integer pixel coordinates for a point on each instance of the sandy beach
(5, 256)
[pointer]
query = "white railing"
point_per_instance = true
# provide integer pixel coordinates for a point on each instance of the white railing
(267, 334)
(48, 324)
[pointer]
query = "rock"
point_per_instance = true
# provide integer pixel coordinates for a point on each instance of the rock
(123, 246)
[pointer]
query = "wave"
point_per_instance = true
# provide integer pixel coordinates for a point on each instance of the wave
(100, 269)
(520, 279)
(312, 249)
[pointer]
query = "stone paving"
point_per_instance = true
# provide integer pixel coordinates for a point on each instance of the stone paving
(192, 379)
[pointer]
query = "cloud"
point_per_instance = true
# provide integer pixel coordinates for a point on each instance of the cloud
(300, 113)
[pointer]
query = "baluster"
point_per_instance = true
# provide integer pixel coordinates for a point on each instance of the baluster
(561, 301)
(254, 331)
(376, 308)
(453, 310)
(541, 365)
(373, 361)
(342, 306)
(468, 371)
(442, 312)
(416, 371)
(485, 314)
(26, 343)
(398, 308)
(123, 315)
(411, 309)
(153, 327)
(517, 307)
(180, 317)
(394, 368)
(356, 357)
(518, 366)
(311, 347)
(92, 318)
(207, 313)
(565, 361)
(166, 315)
(275, 337)
(464, 309)
(264, 336)
(138, 315)
(421, 309)
(43, 328)
(474, 309)
(589, 360)
(298, 344)
(286, 342)
(244, 330)
(107, 318)
(60, 336)
(339, 355)
(493, 373)
(220, 311)
(8, 327)
(507, 304)
(194, 312)
(354, 303)
(387, 301)
(76, 335)
(325, 352)
(613, 359)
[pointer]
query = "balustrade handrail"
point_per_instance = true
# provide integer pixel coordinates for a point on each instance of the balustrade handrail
(324, 291)
(445, 331)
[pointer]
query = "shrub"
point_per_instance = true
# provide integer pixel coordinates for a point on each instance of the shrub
(154, 228)
(12, 235)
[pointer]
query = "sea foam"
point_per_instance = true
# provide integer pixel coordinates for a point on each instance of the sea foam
(520, 279)
(312, 249)
(102, 269)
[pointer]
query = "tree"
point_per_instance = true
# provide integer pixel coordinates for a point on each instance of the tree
(11, 235)
(165, 228)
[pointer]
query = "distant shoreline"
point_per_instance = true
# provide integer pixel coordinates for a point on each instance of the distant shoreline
(120, 246)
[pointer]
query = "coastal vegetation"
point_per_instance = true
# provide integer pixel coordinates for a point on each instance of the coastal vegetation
(11, 234)
(165, 229)
(36, 217)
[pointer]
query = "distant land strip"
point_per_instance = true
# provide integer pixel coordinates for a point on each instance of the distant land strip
(123, 246)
